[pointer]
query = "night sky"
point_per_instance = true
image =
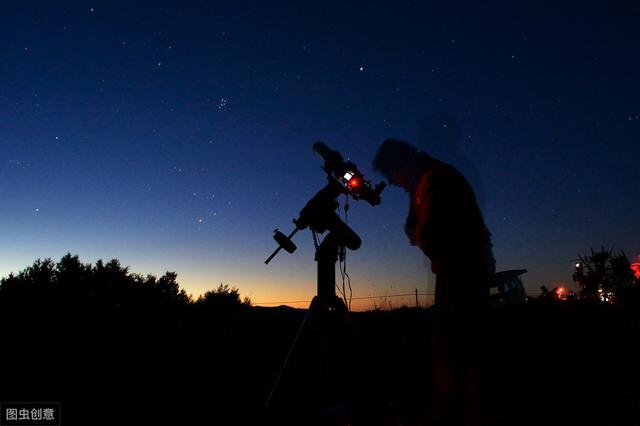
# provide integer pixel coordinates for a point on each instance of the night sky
(177, 136)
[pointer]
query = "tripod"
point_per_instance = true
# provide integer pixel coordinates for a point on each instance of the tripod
(327, 373)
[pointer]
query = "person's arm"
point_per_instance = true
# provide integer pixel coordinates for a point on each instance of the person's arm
(411, 224)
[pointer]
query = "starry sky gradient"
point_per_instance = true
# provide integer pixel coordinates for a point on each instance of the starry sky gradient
(177, 135)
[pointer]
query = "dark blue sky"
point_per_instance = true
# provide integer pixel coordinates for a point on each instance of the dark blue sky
(177, 136)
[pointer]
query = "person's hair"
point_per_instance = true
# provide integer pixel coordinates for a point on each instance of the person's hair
(393, 155)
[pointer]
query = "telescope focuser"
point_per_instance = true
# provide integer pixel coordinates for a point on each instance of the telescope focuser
(348, 175)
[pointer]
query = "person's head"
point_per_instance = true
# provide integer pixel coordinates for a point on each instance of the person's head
(399, 162)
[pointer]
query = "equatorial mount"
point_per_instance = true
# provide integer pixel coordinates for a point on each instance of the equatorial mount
(319, 214)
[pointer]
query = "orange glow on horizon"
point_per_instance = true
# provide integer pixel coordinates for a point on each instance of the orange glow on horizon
(297, 291)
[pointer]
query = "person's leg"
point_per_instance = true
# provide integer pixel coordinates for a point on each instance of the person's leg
(442, 407)
(458, 341)
(474, 346)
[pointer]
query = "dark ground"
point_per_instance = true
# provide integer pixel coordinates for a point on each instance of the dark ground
(549, 364)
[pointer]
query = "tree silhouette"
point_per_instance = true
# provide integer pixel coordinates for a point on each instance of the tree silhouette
(71, 284)
(602, 274)
(168, 288)
(108, 287)
(222, 300)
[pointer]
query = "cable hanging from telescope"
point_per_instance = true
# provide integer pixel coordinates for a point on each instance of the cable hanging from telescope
(346, 220)
(343, 263)
(343, 272)
(341, 257)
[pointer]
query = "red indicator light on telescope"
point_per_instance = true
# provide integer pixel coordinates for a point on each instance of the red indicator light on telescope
(353, 182)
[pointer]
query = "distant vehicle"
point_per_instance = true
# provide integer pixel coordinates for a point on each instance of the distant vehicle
(506, 288)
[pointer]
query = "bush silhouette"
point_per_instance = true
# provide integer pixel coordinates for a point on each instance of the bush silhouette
(221, 301)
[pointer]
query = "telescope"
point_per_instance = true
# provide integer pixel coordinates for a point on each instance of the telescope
(326, 322)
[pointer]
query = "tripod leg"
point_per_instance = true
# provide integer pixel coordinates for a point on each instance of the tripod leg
(305, 321)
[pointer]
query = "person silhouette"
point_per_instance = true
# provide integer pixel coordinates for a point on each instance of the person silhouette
(445, 222)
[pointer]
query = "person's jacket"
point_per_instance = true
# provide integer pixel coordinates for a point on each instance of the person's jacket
(446, 223)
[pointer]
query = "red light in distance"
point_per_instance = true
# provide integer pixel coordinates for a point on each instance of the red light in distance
(635, 267)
